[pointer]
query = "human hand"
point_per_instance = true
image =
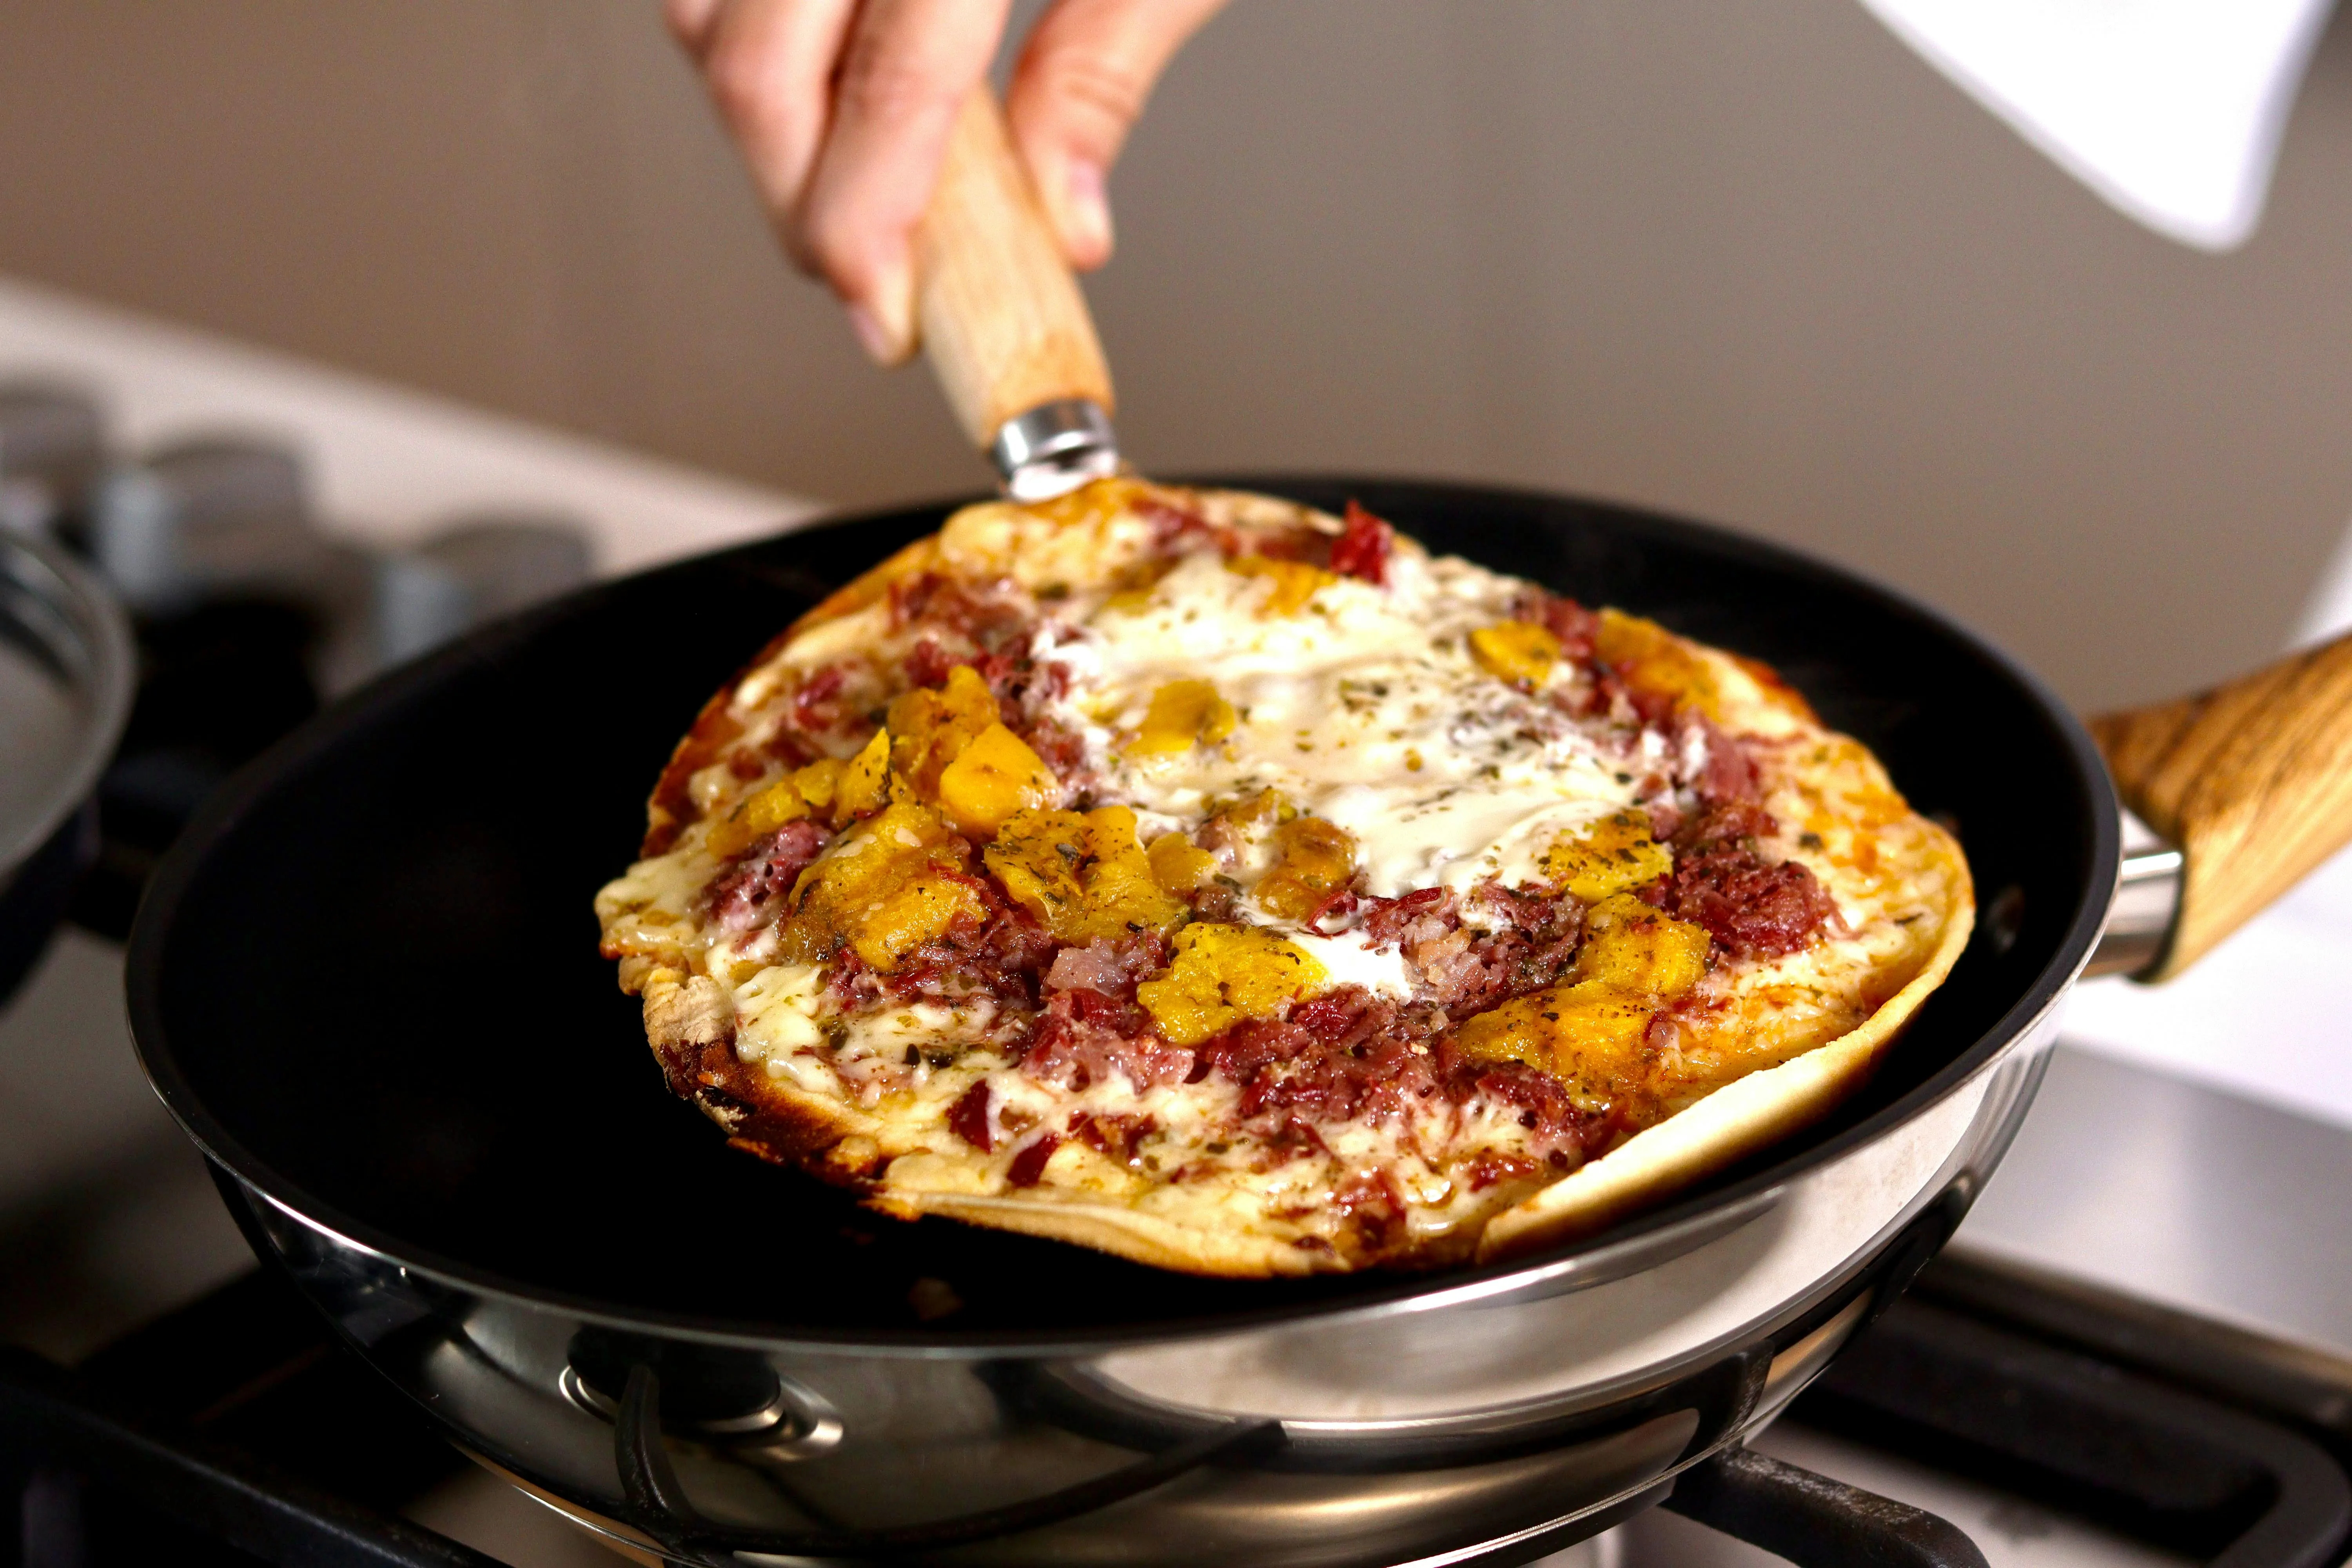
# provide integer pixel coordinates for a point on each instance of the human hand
(842, 108)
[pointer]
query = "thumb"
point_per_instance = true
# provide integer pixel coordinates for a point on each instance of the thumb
(1082, 78)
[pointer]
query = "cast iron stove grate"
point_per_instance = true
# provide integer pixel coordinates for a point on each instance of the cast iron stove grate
(235, 1432)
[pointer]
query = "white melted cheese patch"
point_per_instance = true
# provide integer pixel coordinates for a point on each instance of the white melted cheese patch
(1366, 708)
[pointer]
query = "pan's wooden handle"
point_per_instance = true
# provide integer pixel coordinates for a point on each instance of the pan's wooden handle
(1002, 317)
(2253, 780)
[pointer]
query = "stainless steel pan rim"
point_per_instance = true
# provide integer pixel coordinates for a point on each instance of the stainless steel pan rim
(1558, 1269)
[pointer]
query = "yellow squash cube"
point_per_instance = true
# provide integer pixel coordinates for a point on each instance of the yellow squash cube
(1084, 876)
(1225, 975)
(886, 891)
(755, 818)
(1609, 856)
(1591, 1032)
(1183, 713)
(1517, 651)
(929, 729)
(1650, 659)
(1295, 582)
(1630, 947)
(1575, 1032)
(994, 776)
(1177, 864)
(904, 915)
(1317, 859)
(865, 783)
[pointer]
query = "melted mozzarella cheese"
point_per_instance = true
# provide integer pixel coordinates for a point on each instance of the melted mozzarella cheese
(775, 1011)
(1351, 959)
(1366, 706)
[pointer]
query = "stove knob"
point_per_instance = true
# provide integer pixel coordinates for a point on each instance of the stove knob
(472, 573)
(205, 518)
(234, 482)
(52, 442)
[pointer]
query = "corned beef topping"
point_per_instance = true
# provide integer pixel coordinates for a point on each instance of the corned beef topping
(1112, 968)
(748, 893)
(1466, 970)
(1220, 901)
(1334, 914)
(1373, 1206)
(1557, 1126)
(969, 1118)
(1028, 1167)
(1006, 956)
(1738, 824)
(1756, 910)
(1087, 968)
(1755, 907)
(1116, 1136)
(1386, 921)
(1571, 621)
(1172, 527)
(1362, 550)
(978, 615)
(1087, 1037)
(1725, 773)
(817, 705)
(1347, 1056)
(1022, 685)
(1003, 955)
(1025, 689)
(1377, 1073)
(1060, 748)
(929, 662)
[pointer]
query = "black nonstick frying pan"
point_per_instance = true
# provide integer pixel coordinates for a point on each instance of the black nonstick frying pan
(366, 983)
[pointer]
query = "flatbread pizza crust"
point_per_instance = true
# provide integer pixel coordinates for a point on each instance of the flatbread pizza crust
(1765, 1043)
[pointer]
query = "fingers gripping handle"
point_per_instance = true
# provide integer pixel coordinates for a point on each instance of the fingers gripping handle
(1004, 326)
(2253, 780)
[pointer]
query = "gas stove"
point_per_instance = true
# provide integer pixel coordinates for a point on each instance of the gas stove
(2139, 1351)
(2050, 1423)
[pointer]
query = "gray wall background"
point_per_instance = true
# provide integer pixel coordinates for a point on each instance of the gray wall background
(1746, 259)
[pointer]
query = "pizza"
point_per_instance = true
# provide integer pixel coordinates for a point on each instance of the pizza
(1242, 889)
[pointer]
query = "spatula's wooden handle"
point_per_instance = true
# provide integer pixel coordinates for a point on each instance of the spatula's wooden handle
(2253, 780)
(1002, 320)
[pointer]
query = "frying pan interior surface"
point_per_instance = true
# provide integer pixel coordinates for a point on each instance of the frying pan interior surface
(367, 980)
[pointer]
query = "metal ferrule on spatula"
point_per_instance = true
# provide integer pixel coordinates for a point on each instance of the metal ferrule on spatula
(1053, 447)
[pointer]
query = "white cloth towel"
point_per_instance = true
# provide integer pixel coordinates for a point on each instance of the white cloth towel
(2170, 109)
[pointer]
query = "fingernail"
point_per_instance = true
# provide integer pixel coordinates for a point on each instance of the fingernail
(885, 319)
(871, 337)
(1086, 212)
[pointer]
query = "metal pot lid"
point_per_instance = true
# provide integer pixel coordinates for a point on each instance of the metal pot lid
(66, 675)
